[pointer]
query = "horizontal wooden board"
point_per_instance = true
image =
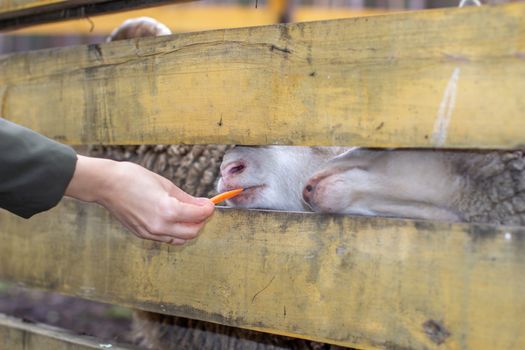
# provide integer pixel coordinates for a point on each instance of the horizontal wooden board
(16, 334)
(9, 8)
(363, 282)
(194, 16)
(451, 78)
(20, 13)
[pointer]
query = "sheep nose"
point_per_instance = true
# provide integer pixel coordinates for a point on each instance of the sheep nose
(309, 190)
(233, 168)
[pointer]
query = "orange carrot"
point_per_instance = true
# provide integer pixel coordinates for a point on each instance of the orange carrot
(226, 195)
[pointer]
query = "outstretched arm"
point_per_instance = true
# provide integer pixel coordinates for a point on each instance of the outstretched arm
(36, 171)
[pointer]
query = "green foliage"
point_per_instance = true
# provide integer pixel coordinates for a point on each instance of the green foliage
(116, 311)
(5, 286)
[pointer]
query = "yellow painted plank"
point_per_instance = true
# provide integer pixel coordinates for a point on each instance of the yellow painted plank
(14, 8)
(194, 16)
(315, 13)
(20, 13)
(9, 6)
(387, 81)
(16, 334)
(363, 282)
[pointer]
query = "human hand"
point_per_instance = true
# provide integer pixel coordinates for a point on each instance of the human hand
(148, 204)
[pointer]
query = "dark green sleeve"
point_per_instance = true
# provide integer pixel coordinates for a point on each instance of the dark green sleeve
(34, 170)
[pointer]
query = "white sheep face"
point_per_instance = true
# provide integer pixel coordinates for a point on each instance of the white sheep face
(415, 184)
(273, 176)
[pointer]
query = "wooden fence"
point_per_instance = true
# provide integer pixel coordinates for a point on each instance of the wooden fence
(21, 13)
(19, 335)
(384, 81)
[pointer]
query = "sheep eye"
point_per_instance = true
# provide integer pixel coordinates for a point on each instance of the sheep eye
(237, 169)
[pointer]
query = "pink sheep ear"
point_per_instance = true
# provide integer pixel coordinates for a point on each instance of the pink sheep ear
(137, 28)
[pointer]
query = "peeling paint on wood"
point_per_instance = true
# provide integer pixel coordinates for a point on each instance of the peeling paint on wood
(20, 13)
(355, 281)
(390, 71)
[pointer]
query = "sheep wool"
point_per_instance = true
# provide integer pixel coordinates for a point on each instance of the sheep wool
(193, 168)
(494, 189)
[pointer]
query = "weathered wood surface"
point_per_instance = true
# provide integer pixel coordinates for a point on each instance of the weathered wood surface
(20, 13)
(193, 16)
(9, 8)
(364, 282)
(374, 81)
(18, 335)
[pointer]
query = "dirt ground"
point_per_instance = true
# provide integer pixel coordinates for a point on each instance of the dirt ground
(107, 322)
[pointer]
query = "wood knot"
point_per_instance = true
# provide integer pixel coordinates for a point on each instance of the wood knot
(436, 331)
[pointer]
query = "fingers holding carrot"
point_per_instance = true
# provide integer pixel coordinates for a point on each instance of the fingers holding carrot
(226, 195)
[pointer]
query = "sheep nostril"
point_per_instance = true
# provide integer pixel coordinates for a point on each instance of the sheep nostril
(308, 192)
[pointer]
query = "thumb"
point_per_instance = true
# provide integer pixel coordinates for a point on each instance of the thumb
(201, 201)
(184, 197)
(193, 212)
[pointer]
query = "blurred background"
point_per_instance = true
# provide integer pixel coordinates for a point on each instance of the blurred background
(207, 15)
(111, 322)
